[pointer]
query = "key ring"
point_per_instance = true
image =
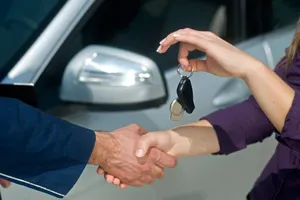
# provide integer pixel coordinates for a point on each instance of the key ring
(180, 67)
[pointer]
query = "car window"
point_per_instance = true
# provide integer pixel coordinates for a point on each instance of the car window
(140, 26)
(21, 22)
(285, 12)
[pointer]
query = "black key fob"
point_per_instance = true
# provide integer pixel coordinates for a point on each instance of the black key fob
(185, 94)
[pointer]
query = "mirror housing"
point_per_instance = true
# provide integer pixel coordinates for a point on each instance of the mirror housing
(112, 76)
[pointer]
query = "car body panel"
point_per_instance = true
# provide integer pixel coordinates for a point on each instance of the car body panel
(279, 41)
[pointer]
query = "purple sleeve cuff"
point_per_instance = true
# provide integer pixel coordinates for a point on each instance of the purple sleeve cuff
(228, 143)
(290, 134)
(227, 146)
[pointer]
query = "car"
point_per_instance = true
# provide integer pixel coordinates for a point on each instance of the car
(72, 59)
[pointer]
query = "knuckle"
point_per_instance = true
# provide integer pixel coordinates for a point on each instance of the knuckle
(135, 126)
(151, 180)
(210, 33)
(179, 31)
(161, 174)
(188, 30)
(173, 163)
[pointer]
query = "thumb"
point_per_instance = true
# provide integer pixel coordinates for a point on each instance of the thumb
(148, 140)
(198, 65)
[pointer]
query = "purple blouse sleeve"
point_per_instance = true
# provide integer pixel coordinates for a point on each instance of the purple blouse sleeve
(240, 125)
(290, 134)
(245, 123)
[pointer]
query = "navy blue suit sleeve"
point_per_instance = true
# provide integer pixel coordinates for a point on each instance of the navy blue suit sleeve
(41, 151)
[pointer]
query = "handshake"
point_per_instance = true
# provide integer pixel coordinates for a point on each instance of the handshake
(131, 156)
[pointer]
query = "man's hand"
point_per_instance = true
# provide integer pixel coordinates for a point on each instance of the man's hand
(115, 153)
(4, 183)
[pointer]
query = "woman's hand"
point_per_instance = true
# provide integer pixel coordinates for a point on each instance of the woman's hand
(222, 58)
(163, 140)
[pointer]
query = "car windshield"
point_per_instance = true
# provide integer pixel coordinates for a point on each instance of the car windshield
(21, 22)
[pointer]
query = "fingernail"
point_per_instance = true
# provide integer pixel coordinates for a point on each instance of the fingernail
(158, 49)
(176, 35)
(139, 153)
(161, 42)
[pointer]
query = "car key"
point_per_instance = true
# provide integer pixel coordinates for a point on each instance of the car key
(185, 94)
(184, 100)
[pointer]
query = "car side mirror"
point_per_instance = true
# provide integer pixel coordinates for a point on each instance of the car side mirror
(112, 76)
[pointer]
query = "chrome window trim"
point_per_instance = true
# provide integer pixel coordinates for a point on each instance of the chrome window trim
(35, 60)
(269, 54)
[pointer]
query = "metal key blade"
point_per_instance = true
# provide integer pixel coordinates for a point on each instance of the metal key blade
(176, 111)
(176, 117)
(176, 107)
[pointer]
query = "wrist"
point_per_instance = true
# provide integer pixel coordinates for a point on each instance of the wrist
(257, 69)
(180, 145)
(192, 140)
(105, 144)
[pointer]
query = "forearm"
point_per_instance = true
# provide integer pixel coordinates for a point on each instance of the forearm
(273, 95)
(194, 139)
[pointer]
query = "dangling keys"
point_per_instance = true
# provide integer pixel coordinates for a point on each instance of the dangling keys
(185, 98)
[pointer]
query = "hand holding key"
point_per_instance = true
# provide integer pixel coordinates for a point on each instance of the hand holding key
(222, 58)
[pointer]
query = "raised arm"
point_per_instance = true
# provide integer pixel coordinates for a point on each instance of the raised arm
(273, 95)
(236, 125)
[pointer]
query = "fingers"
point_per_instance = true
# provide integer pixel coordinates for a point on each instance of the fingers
(109, 178)
(123, 186)
(190, 40)
(100, 171)
(162, 159)
(115, 181)
(183, 54)
(199, 65)
(158, 171)
(192, 37)
(189, 65)
(200, 43)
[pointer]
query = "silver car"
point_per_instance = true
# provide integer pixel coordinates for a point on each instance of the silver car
(93, 62)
